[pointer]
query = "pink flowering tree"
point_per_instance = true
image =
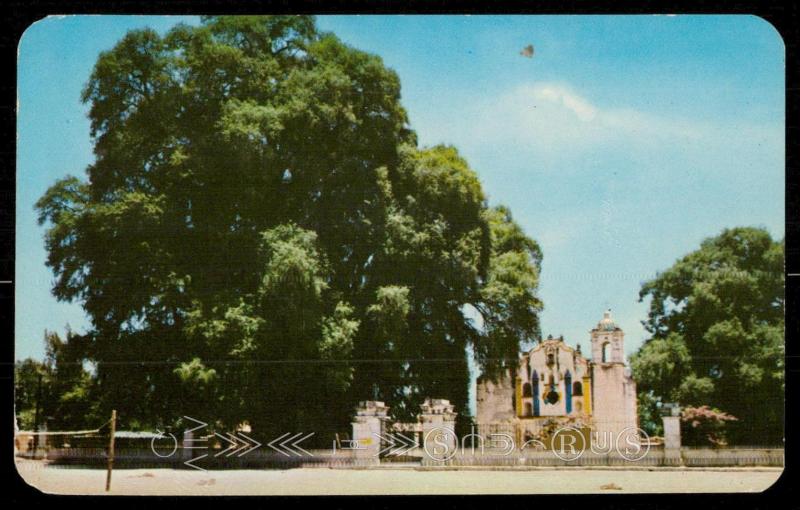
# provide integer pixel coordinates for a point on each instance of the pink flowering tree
(704, 425)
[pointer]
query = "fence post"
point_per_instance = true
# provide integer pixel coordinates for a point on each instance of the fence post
(111, 449)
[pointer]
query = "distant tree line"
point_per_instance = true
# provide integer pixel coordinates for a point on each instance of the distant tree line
(60, 389)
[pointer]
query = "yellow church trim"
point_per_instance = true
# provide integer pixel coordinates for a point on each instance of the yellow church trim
(587, 395)
(518, 396)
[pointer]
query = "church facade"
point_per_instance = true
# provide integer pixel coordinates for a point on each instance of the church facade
(554, 385)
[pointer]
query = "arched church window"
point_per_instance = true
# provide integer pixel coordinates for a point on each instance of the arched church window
(526, 390)
(551, 396)
(535, 388)
(577, 389)
(568, 391)
(606, 352)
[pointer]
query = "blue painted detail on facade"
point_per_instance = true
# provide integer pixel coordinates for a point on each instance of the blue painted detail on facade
(568, 390)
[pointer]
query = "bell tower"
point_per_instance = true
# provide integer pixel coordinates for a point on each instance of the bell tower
(613, 389)
(608, 341)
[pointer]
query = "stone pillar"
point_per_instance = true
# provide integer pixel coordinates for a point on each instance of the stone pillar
(672, 439)
(438, 422)
(369, 425)
(672, 432)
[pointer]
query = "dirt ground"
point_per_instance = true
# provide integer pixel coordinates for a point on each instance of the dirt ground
(322, 481)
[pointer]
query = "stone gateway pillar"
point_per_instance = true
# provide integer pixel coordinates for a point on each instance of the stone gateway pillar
(672, 433)
(438, 421)
(369, 425)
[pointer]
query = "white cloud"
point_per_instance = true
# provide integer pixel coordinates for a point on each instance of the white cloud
(554, 117)
(557, 95)
(551, 121)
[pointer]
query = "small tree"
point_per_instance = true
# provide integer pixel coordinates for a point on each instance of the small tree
(650, 414)
(704, 425)
(27, 374)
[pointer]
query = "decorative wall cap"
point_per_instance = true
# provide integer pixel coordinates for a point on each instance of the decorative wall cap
(372, 408)
(437, 406)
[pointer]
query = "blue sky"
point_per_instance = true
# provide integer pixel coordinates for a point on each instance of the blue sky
(619, 146)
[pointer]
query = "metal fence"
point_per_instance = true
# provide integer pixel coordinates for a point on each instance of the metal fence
(655, 457)
(267, 459)
(479, 448)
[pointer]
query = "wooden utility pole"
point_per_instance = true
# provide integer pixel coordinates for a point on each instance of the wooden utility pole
(111, 449)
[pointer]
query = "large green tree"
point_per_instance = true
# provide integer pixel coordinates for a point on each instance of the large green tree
(717, 324)
(260, 238)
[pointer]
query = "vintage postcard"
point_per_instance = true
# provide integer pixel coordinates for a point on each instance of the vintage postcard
(391, 255)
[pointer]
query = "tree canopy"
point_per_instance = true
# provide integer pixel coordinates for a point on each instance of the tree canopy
(717, 323)
(60, 386)
(260, 237)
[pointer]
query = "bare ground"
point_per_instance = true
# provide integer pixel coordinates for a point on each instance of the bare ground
(322, 481)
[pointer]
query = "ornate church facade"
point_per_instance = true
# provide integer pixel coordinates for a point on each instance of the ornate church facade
(554, 385)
